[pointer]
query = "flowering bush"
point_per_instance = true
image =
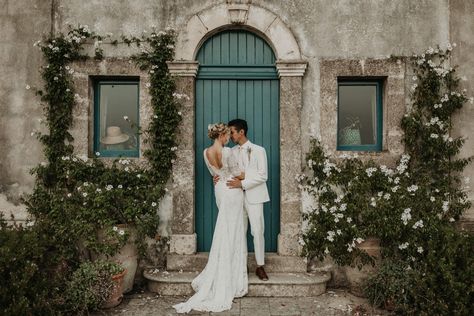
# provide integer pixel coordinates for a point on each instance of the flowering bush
(74, 197)
(407, 205)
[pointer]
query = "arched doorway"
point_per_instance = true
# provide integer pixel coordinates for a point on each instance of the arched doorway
(237, 78)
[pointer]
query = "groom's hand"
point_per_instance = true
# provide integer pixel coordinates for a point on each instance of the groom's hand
(216, 179)
(235, 183)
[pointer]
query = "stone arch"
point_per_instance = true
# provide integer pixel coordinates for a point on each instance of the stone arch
(259, 20)
(291, 69)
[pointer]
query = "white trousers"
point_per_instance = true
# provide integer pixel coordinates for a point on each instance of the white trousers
(254, 214)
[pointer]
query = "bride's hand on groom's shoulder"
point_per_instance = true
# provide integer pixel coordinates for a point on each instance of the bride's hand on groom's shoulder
(215, 179)
(241, 176)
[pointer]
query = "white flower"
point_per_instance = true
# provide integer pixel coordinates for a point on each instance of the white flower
(109, 187)
(414, 86)
(414, 78)
(418, 224)
(115, 228)
(403, 246)
(148, 85)
(412, 188)
(330, 235)
(406, 216)
(121, 232)
(370, 171)
(387, 196)
(125, 117)
(445, 206)
(55, 78)
(326, 251)
(359, 240)
(139, 175)
(432, 198)
(349, 219)
(27, 87)
(339, 232)
(435, 136)
(153, 204)
(97, 153)
(119, 186)
(127, 169)
(69, 195)
(98, 190)
(84, 194)
(419, 249)
(451, 219)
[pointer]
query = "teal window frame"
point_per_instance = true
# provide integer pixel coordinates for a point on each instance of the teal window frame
(378, 83)
(97, 83)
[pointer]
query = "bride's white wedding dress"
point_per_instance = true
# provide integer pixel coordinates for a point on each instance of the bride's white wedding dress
(225, 275)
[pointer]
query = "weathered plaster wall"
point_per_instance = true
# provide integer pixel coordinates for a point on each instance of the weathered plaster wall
(461, 29)
(336, 29)
(22, 22)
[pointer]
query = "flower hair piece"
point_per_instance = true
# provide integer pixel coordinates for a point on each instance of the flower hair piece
(214, 130)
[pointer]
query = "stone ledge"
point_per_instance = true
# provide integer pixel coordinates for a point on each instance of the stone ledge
(279, 284)
(273, 262)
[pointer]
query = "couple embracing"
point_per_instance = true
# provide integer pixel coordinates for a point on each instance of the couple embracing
(240, 176)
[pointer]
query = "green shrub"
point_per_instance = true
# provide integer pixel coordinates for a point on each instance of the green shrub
(91, 285)
(30, 275)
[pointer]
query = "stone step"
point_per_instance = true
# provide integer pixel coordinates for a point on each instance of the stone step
(279, 284)
(273, 263)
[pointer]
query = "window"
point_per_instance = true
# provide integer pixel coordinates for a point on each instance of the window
(359, 115)
(116, 119)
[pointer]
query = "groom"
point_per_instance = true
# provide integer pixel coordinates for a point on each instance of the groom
(253, 159)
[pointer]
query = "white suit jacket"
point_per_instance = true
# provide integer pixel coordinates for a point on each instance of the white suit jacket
(256, 173)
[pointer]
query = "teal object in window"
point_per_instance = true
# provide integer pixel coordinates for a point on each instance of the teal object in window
(359, 115)
(116, 118)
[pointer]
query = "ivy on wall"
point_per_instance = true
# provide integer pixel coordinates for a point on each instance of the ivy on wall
(79, 195)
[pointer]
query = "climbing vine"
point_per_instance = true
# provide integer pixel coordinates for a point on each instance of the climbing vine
(411, 207)
(85, 188)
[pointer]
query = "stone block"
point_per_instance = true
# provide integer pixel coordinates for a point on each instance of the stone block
(183, 244)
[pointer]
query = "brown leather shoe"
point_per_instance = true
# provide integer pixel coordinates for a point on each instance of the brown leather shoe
(262, 275)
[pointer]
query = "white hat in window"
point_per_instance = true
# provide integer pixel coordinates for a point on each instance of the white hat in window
(114, 136)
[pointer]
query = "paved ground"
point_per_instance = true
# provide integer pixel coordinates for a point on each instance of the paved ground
(331, 303)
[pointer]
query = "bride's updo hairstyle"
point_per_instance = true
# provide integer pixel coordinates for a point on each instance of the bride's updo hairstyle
(214, 130)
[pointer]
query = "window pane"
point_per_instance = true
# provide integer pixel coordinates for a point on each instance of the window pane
(116, 101)
(357, 115)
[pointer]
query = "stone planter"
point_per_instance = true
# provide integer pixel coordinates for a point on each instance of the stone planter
(116, 296)
(355, 276)
(127, 256)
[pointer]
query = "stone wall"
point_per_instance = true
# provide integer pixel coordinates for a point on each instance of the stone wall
(324, 30)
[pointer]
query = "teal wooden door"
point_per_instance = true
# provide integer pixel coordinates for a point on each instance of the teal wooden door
(237, 79)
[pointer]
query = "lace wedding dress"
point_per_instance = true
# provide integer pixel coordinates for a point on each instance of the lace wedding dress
(225, 275)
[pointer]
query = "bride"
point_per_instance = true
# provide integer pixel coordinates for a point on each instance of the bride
(225, 274)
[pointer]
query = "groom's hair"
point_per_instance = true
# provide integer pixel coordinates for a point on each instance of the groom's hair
(239, 124)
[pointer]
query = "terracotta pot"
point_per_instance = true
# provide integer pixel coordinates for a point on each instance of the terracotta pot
(116, 296)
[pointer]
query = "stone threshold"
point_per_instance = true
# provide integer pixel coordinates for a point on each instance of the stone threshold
(170, 283)
(274, 263)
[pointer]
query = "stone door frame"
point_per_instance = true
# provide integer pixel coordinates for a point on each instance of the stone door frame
(291, 69)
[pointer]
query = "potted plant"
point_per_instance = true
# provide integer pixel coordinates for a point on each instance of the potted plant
(95, 284)
(350, 134)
